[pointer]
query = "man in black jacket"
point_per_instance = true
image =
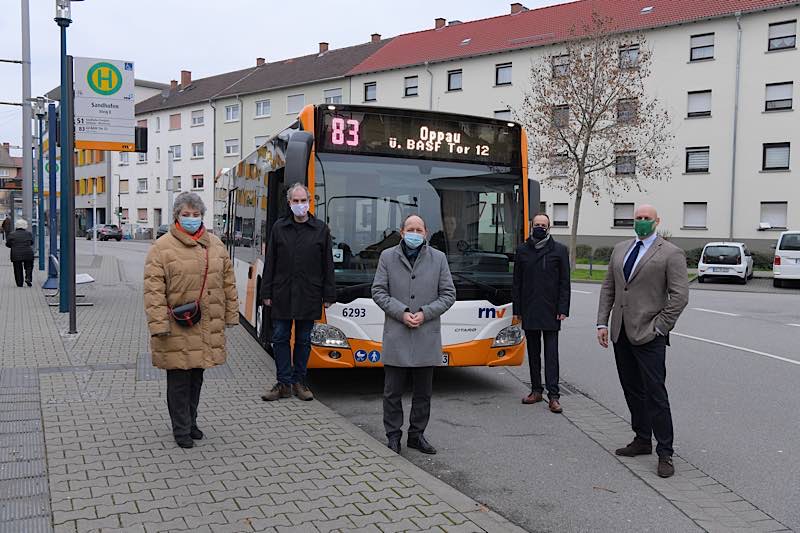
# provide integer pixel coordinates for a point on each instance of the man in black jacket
(541, 294)
(21, 243)
(297, 281)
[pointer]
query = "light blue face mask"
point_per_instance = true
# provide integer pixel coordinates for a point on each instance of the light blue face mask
(191, 224)
(413, 240)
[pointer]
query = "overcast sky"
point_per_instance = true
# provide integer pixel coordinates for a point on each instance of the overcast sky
(206, 37)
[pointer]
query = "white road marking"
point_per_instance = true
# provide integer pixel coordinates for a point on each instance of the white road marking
(741, 348)
(795, 325)
(715, 312)
(582, 292)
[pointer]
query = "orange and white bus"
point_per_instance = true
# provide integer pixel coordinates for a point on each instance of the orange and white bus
(366, 169)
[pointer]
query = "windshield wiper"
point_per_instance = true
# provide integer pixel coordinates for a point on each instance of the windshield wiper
(485, 286)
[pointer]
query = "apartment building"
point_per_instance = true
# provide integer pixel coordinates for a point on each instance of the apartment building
(10, 183)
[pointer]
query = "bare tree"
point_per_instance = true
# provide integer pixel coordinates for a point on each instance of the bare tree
(592, 126)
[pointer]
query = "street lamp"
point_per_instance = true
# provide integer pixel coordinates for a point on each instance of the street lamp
(39, 111)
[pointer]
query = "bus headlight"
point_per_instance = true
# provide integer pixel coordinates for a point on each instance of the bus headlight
(510, 336)
(328, 336)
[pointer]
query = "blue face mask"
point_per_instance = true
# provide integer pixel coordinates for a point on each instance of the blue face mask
(413, 240)
(191, 224)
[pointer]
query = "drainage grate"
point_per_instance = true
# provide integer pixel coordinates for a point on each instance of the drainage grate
(19, 508)
(23, 488)
(145, 371)
(22, 469)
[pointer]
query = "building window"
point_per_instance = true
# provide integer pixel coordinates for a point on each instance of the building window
(623, 215)
(773, 215)
(176, 152)
(141, 123)
(197, 181)
(454, 80)
(141, 185)
(260, 140)
(158, 154)
(782, 35)
(699, 104)
(333, 96)
(560, 215)
(370, 91)
(176, 184)
(158, 124)
(175, 121)
(559, 165)
(626, 164)
(697, 159)
(411, 86)
(124, 216)
(123, 158)
(231, 147)
(142, 157)
(560, 66)
(503, 114)
(775, 156)
(779, 96)
(198, 119)
(701, 47)
(295, 103)
(158, 184)
(629, 56)
(263, 108)
(141, 214)
(123, 186)
(627, 110)
(561, 116)
(502, 74)
(695, 214)
(4, 172)
(232, 113)
(197, 150)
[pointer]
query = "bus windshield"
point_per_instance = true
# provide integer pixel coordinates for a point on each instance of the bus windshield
(473, 213)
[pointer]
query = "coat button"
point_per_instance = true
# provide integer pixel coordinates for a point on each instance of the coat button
(412, 296)
(413, 277)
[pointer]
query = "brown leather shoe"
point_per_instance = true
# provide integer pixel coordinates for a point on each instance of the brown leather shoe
(302, 392)
(665, 466)
(279, 390)
(534, 397)
(555, 406)
(636, 447)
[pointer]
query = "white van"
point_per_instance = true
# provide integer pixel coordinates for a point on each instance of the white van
(725, 260)
(786, 265)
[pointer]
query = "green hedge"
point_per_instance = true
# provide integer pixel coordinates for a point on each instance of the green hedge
(603, 253)
(583, 251)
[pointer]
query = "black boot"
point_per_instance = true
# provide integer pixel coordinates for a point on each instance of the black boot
(394, 445)
(184, 441)
(419, 443)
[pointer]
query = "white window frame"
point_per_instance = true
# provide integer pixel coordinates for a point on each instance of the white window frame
(290, 107)
(198, 119)
(139, 188)
(698, 103)
(158, 124)
(146, 214)
(262, 106)
(141, 158)
(195, 154)
(158, 154)
(124, 159)
(232, 113)
(194, 182)
(177, 152)
(230, 144)
(695, 215)
(332, 96)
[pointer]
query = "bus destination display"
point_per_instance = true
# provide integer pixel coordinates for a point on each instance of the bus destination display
(364, 133)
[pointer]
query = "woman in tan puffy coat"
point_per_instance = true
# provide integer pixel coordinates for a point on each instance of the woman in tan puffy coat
(174, 273)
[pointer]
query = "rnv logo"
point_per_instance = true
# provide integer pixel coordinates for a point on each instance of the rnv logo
(490, 312)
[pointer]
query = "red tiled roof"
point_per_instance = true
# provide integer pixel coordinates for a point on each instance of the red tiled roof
(546, 25)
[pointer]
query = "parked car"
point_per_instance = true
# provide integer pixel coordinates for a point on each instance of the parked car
(725, 260)
(786, 265)
(163, 229)
(105, 232)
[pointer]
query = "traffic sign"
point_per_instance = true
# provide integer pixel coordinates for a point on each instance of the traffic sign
(104, 105)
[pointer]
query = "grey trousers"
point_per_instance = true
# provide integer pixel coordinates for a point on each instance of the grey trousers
(394, 384)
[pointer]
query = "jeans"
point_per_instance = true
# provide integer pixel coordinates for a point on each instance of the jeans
(291, 367)
(183, 396)
(534, 338)
(394, 383)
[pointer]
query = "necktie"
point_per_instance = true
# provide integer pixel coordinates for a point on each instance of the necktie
(628, 267)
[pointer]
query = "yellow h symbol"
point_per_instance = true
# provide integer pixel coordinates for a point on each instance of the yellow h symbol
(105, 76)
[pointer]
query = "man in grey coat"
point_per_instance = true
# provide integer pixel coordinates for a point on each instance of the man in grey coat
(414, 288)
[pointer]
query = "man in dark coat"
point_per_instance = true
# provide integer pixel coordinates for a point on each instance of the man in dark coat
(6, 227)
(297, 281)
(21, 243)
(541, 294)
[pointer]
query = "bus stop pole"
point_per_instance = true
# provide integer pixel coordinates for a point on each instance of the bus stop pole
(40, 192)
(52, 135)
(73, 326)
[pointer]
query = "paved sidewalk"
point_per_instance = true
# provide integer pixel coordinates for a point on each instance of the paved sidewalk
(85, 440)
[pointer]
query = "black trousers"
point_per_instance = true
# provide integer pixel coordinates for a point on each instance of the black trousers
(642, 374)
(534, 338)
(18, 265)
(394, 384)
(183, 395)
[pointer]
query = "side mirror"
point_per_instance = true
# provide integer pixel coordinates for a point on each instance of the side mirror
(298, 153)
(534, 197)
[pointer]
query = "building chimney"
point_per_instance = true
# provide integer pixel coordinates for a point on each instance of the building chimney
(260, 61)
(516, 7)
(439, 22)
(7, 148)
(186, 78)
(323, 47)
(173, 85)
(376, 37)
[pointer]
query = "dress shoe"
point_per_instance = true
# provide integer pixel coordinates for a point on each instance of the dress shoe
(279, 390)
(394, 445)
(665, 466)
(533, 397)
(29, 283)
(196, 434)
(419, 443)
(302, 392)
(554, 405)
(636, 447)
(185, 441)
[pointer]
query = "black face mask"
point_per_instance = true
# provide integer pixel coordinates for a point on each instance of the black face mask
(539, 233)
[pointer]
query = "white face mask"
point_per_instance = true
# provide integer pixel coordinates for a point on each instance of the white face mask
(299, 210)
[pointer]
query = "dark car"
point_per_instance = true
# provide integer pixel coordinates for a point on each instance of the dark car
(163, 229)
(105, 232)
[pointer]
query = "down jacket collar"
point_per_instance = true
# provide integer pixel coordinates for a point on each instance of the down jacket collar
(187, 239)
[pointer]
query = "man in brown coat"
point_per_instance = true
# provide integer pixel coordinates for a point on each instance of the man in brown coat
(645, 291)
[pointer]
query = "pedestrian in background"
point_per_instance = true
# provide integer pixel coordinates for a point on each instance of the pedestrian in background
(297, 282)
(414, 288)
(6, 226)
(189, 299)
(645, 291)
(21, 243)
(541, 296)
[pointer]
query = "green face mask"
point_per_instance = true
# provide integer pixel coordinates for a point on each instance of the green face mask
(644, 228)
